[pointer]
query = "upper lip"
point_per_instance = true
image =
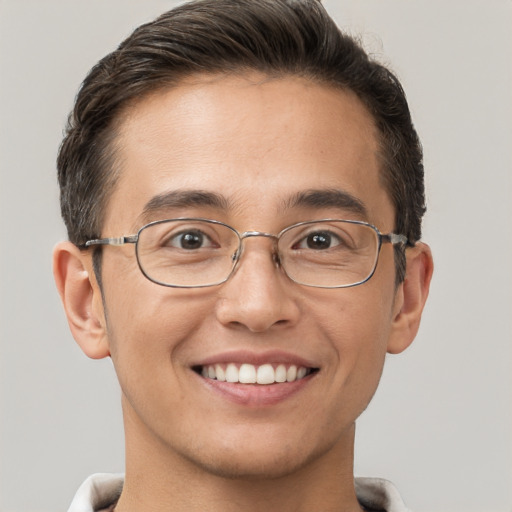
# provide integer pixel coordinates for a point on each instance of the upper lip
(256, 358)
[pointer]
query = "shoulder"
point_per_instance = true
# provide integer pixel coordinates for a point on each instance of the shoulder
(98, 492)
(379, 495)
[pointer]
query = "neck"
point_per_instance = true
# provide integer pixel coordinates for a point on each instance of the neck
(159, 479)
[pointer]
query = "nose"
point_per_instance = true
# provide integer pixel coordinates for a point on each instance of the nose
(259, 296)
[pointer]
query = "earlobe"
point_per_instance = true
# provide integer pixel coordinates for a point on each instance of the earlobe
(81, 298)
(411, 297)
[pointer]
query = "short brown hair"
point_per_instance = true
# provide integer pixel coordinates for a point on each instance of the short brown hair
(275, 37)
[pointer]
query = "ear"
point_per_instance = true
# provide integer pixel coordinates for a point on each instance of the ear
(410, 298)
(81, 298)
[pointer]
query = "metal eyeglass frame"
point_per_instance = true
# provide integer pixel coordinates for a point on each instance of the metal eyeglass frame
(391, 238)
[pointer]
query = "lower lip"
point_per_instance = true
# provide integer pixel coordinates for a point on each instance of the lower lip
(257, 395)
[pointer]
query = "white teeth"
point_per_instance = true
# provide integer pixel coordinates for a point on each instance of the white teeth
(219, 372)
(266, 374)
(247, 374)
(291, 374)
(250, 374)
(231, 373)
(281, 373)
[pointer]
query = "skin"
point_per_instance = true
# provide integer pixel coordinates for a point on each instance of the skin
(258, 142)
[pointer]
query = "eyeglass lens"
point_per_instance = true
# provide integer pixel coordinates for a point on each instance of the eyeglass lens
(192, 253)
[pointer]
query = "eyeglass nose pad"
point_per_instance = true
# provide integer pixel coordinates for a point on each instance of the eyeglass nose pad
(236, 255)
(276, 258)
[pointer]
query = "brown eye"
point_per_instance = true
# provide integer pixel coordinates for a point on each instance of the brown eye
(190, 240)
(318, 241)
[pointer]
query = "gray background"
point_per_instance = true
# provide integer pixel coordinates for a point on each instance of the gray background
(440, 426)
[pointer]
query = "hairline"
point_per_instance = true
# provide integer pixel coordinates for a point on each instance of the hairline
(112, 160)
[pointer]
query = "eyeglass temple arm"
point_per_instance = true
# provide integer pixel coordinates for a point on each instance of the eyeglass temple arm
(120, 240)
(394, 239)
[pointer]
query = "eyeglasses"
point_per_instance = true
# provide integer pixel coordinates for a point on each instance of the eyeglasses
(195, 253)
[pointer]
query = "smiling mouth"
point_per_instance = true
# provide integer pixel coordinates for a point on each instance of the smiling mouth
(264, 374)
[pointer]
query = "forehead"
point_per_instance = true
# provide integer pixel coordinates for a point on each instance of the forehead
(253, 141)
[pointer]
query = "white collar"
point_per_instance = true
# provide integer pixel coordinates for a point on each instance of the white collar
(103, 489)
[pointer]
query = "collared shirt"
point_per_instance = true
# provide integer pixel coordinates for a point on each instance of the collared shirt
(100, 492)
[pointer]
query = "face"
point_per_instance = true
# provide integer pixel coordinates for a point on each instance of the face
(258, 145)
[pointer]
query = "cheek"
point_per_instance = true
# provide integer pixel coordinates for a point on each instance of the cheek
(141, 312)
(358, 329)
(148, 326)
(148, 333)
(358, 336)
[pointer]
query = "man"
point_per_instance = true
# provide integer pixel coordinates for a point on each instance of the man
(243, 192)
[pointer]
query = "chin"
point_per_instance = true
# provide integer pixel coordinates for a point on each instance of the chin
(265, 461)
(252, 470)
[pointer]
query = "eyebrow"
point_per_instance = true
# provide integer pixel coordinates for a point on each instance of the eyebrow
(327, 198)
(313, 198)
(183, 199)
